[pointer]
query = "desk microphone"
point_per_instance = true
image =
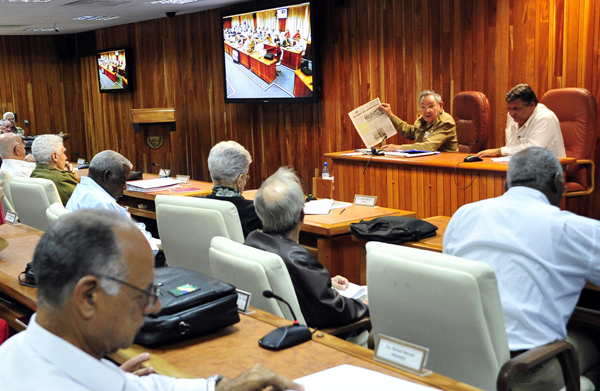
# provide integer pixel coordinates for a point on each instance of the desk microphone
(470, 158)
(162, 172)
(378, 152)
(286, 336)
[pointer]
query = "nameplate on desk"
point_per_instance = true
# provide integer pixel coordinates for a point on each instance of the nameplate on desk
(365, 200)
(243, 301)
(183, 178)
(80, 161)
(401, 354)
(11, 218)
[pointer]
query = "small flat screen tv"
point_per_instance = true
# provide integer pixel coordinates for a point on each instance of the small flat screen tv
(114, 71)
(270, 54)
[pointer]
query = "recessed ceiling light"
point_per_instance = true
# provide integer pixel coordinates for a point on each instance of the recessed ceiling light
(39, 29)
(96, 18)
(173, 1)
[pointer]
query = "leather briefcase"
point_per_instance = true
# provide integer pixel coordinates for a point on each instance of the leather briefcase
(193, 304)
(393, 229)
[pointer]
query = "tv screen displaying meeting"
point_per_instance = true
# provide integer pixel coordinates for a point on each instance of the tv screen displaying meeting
(113, 71)
(269, 54)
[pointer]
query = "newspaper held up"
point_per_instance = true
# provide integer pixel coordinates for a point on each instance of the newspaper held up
(371, 123)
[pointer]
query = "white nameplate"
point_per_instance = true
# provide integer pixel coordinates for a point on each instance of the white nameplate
(243, 301)
(365, 200)
(164, 173)
(80, 161)
(401, 354)
(183, 178)
(11, 218)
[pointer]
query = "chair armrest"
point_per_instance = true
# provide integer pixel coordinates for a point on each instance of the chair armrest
(562, 350)
(361, 324)
(591, 178)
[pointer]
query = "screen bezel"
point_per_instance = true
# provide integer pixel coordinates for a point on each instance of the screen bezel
(315, 48)
(128, 69)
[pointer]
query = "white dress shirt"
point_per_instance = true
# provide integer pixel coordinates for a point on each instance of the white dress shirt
(36, 359)
(542, 129)
(542, 258)
(90, 195)
(17, 168)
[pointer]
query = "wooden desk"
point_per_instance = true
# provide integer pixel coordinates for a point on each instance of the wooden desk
(230, 351)
(263, 68)
(433, 243)
(233, 350)
(328, 237)
(291, 58)
(302, 84)
(429, 185)
(133, 199)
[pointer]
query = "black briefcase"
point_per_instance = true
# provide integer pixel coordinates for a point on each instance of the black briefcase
(393, 229)
(193, 304)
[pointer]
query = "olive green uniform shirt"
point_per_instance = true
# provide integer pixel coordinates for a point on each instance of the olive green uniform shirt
(65, 181)
(440, 135)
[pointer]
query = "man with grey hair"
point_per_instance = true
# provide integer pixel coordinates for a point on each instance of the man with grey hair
(15, 160)
(228, 163)
(542, 258)
(433, 130)
(95, 279)
(4, 126)
(10, 116)
(51, 163)
(104, 185)
(280, 205)
(528, 124)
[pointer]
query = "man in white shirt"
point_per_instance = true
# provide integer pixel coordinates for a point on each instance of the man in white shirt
(104, 185)
(528, 124)
(15, 160)
(95, 279)
(542, 258)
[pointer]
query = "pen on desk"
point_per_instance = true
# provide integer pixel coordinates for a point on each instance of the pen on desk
(342, 210)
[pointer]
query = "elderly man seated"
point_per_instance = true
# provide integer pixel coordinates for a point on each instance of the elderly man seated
(104, 185)
(15, 160)
(10, 117)
(280, 205)
(95, 278)
(51, 163)
(542, 258)
(228, 163)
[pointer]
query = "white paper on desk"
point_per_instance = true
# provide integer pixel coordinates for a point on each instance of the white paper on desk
(351, 378)
(146, 185)
(352, 154)
(341, 204)
(501, 159)
(354, 291)
(318, 207)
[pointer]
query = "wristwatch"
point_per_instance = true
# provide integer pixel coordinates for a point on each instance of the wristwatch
(212, 381)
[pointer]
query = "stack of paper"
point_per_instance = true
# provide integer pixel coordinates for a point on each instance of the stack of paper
(318, 207)
(149, 185)
(353, 291)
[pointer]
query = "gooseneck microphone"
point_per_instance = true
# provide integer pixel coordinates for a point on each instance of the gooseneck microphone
(164, 171)
(286, 336)
(470, 158)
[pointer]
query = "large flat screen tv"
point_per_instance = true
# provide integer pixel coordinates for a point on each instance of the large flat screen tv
(270, 53)
(114, 71)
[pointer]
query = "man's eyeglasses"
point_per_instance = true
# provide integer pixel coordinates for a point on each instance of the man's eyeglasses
(153, 293)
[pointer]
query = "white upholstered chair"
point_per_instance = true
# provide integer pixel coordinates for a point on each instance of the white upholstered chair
(31, 197)
(55, 211)
(7, 200)
(186, 226)
(451, 306)
(255, 271)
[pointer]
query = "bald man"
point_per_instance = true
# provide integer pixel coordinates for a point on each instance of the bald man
(15, 160)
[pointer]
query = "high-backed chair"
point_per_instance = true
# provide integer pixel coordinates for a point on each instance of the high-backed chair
(577, 112)
(7, 203)
(31, 197)
(255, 271)
(55, 211)
(451, 306)
(471, 112)
(187, 225)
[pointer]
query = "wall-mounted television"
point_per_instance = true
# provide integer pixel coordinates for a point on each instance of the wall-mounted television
(114, 71)
(267, 58)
